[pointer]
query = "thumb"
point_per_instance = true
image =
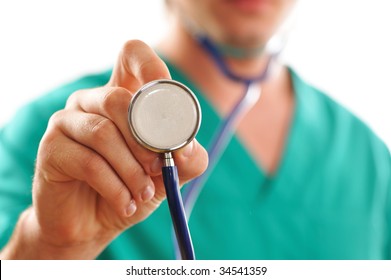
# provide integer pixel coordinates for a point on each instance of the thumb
(137, 65)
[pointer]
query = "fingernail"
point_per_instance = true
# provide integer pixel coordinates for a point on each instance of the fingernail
(156, 166)
(188, 149)
(147, 194)
(131, 209)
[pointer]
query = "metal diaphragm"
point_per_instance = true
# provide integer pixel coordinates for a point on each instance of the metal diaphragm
(164, 115)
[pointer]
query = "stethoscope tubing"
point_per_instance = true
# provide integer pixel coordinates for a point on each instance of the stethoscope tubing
(178, 215)
(224, 133)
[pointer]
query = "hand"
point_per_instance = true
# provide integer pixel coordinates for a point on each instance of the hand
(92, 179)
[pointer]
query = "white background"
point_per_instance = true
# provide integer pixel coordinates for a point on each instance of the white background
(341, 46)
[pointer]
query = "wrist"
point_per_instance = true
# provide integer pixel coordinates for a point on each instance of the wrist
(27, 242)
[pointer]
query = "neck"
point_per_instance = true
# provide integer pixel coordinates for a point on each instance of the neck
(226, 50)
(245, 66)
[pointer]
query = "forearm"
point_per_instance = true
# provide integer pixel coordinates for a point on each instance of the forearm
(27, 243)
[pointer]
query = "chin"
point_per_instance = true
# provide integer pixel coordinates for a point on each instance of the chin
(246, 31)
(248, 23)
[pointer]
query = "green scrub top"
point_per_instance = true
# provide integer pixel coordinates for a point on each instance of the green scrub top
(329, 199)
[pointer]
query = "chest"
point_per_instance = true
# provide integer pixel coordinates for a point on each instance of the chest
(264, 130)
(264, 127)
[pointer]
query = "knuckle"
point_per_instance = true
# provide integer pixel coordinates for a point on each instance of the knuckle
(50, 157)
(115, 99)
(102, 129)
(56, 119)
(136, 174)
(92, 165)
(118, 194)
(48, 143)
(72, 100)
(47, 150)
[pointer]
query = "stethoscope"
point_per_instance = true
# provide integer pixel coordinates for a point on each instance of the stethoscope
(164, 115)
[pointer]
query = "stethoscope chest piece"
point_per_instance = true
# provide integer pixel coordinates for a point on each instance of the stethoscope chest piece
(164, 115)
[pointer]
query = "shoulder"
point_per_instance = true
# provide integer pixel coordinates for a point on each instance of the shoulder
(339, 135)
(327, 116)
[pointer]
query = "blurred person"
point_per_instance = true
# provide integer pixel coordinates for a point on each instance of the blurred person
(301, 178)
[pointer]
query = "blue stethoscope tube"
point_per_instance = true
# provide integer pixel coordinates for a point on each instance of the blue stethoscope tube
(175, 204)
(227, 127)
